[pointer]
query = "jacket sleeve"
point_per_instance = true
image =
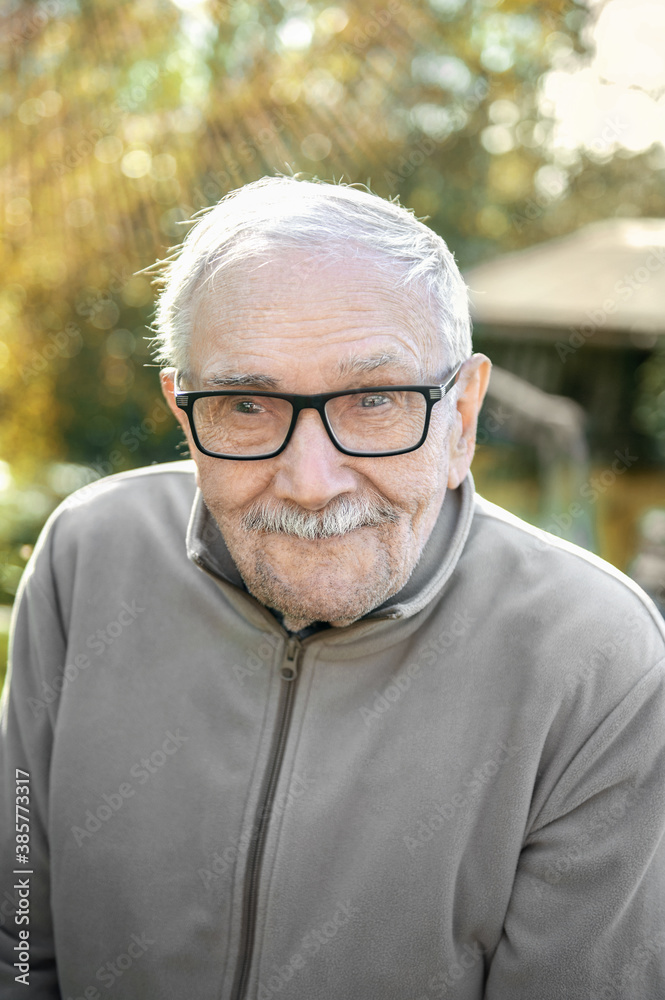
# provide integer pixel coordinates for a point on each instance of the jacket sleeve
(27, 723)
(587, 912)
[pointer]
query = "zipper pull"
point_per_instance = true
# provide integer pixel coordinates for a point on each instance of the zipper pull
(289, 668)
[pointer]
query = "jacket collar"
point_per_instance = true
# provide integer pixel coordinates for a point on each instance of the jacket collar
(206, 548)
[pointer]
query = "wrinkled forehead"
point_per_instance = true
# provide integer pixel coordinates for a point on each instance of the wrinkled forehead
(308, 301)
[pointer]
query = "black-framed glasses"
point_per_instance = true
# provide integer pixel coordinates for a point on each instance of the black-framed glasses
(374, 422)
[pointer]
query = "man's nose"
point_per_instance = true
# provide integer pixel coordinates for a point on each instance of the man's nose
(312, 472)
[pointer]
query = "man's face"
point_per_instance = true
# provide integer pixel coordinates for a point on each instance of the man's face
(346, 326)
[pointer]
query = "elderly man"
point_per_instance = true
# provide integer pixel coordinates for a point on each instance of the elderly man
(307, 718)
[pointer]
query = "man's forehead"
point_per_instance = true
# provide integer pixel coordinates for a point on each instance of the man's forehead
(349, 366)
(347, 320)
(354, 291)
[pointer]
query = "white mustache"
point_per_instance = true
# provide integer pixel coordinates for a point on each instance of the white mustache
(342, 514)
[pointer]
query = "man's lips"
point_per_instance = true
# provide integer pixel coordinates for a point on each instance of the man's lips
(320, 538)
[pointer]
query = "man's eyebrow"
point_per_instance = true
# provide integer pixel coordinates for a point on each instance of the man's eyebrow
(355, 365)
(358, 365)
(230, 380)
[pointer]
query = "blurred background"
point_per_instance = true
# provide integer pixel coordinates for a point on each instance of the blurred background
(531, 136)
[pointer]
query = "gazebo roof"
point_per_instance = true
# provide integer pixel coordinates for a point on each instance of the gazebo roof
(609, 276)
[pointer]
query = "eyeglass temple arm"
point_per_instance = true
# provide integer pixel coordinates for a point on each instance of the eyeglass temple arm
(445, 387)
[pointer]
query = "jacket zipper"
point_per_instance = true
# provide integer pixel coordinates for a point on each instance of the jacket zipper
(289, 674)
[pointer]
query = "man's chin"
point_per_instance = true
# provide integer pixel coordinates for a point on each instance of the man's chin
(298, 624)
(319, 591)
(352, 534)
(301, 607)
(336, 580)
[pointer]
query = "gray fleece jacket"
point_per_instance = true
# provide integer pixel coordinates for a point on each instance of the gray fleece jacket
(461, 795)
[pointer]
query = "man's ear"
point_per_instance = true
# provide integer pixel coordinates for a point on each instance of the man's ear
(167, 378)
(471, 387)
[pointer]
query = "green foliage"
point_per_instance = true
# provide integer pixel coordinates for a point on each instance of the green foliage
(650, 404)
(4, 642)
(130, 117)
(124, 119)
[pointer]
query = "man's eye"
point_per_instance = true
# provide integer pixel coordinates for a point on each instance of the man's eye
(247, 406)
(373, 400)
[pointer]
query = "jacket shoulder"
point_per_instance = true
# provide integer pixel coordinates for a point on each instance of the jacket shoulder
(116, 518)
(557, 582)
(163, 484)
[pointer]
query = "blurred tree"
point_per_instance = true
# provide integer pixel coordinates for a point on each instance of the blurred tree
(124, 119)
(650, 407)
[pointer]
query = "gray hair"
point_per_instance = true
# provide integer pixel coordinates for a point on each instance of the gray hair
(260, 220)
